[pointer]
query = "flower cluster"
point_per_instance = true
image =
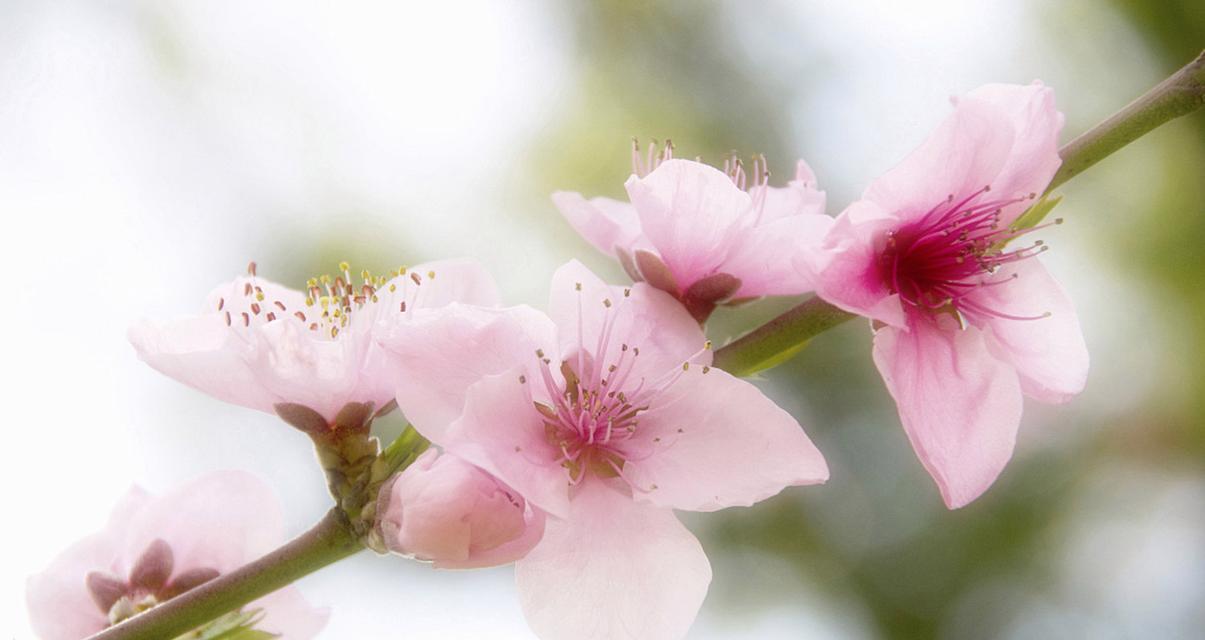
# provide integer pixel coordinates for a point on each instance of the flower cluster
(568, 437)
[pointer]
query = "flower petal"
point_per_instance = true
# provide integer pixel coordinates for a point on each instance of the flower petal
(435, 284)
(298, 366)
(720, 443)
(614, 569)
(965, 153)
(1035, 124)
(603, 222)
(763, 258)
(645, 318)
(201, 352)
(960, 406)
(1049, 354)
(438, 354)
(691, 213)
(501, 432)
(846, 269)
(220, 520)
(799, 197)
(288, 614)
(60, 605)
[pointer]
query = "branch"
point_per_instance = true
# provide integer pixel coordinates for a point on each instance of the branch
(328, 541)
(783, 337)
(1182, 93)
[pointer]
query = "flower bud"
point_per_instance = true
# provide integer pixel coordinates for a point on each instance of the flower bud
(444, 510)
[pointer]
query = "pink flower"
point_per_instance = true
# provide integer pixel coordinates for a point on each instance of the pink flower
(444, 510)
(698, 234)
(155, 548)
(965, 323)
(606, 416)
(259, 344)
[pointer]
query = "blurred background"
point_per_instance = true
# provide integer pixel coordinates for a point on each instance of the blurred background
(149, 149)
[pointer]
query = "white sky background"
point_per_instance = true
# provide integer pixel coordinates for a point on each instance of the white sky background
(128, 189)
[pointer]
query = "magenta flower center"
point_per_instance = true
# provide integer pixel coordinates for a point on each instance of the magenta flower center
(594, 420)
(937, 262)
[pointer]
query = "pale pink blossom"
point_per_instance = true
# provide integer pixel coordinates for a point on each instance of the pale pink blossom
(699, 234)
(444, 510)
(967, 318)
(606, 416)
(154, 548)
(260, 344)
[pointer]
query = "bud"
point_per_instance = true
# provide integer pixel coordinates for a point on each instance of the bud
(444, 510)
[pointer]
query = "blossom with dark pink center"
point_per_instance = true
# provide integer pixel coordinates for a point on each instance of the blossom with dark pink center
(260, 344)
(703, 235)
(155, 548)
(967, 318)
(607, 416)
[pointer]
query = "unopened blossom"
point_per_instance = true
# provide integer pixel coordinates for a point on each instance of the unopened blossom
(606, 416)
(967, 317)
(703, 235)
(263, 345)
(444, 510)
(155, 548)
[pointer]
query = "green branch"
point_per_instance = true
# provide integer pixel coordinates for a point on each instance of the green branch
(327, 542)
(786, 335)
(1182, 93)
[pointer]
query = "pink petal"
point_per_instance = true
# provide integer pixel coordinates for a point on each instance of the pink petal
(1036, 124)
(603, 222)
(60, 605)
(722, 443)
(202, 353)
(966, 152)
(960, 406)
(438, 354)
(762, 258)
(297, 365)
(440, 283)
(614, 569)
(1049, 354)
(845, 266)
(288, 614)
(799, 197)
(646, 318)
(501, 432)
(221, 520)
(691, 213)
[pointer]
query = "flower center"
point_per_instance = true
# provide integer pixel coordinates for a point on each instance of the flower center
(330, 303)
(148, 583)
(594, 417)
(937, 262)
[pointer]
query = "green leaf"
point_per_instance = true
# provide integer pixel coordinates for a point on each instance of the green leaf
(237, 625)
